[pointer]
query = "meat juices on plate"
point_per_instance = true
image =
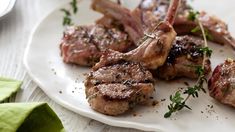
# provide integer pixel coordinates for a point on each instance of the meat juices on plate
(222, 83)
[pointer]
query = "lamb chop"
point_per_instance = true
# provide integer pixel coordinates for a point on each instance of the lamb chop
(183, 58)
(83, 45)
(222, 83)
(153, 47)
(159, 7)
(114, 89)
(138, 22)
(215, 27)
(178, 68)
(131, 24)
(121, 80)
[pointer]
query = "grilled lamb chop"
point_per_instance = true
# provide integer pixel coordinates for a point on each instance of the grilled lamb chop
(215, 27)
(176, 68)
(83, 45)
(160, 7)
(151, 53)
(113, 10)
(183, 58)
(153, 48)
(182, 25)
(114, 89)
(136, 23)
(120, 81)
(222, 83)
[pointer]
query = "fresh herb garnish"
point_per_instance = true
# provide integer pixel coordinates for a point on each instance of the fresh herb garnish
(73, 4)
(67, 17)
(198, 29)
(206, 50)
(67, 20)
(192, 16)
(178, 102)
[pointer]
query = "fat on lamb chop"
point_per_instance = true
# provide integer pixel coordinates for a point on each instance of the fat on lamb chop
(183, 56)
(83, 45)
(222, 83)
(182, 25)
(121, 80)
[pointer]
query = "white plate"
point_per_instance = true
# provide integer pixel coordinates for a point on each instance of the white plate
(44, 64)
(6, 6)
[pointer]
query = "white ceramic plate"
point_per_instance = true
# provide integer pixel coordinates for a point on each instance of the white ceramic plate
(6, 6)
(64, 83)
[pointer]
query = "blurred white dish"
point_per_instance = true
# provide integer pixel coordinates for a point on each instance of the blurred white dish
(6, 6)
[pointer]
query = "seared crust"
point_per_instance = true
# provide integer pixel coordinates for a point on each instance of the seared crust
(113, 90)
(222, 83)
(120, 73)
(83, 45)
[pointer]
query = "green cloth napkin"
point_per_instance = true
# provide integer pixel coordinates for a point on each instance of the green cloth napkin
(25, 117)
(8, 88)
(28, 117)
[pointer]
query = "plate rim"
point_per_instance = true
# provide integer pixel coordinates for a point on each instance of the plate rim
(80, 111)
(67, 104)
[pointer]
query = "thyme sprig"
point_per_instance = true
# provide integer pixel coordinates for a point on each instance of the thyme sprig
(198, 29)
(67, 20)
(178, 102)
(67, 17)
(193, 16)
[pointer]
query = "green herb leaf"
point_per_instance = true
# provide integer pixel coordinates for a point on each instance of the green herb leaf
(196, 29)
(199, 70)
(206, 50)
(193, 15)
(67, 20)
(177, 101)
(66, 12)
(73, 4)
(207, 34)
(186, 106)
(67, 17)
(167, 114)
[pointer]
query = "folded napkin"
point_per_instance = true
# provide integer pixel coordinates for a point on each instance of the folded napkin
(28, 117)
(8, 89)
(25, 117)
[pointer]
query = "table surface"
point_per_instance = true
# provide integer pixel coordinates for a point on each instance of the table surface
(15, 29)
